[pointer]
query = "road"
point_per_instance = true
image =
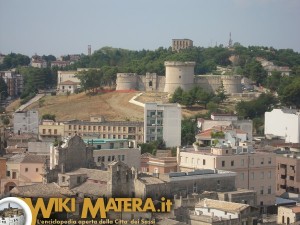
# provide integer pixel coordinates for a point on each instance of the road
(35, 99)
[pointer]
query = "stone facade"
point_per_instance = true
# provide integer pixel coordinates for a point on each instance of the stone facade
(178, 74)
(26, 122)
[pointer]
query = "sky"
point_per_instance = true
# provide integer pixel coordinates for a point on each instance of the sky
(61, 27)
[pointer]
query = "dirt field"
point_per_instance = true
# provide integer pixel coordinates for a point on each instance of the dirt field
(113, 106)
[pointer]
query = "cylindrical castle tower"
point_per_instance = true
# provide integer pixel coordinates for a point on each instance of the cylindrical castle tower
(232, 83)
(126, 81)
(179, 74)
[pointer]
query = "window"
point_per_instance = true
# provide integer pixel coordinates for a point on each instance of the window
(63, 178)
(99, 159)
(242, 162)
(44, 131)
(291, 177)
(232, 163)
(270, 160)
(262, 161)
(111, 145)
(123, 157)
(8, 173)
(26, 169)
(109, 158)
(226, 151)
(36, 169)
(113, 158)
(269, 190)
(242, 176)
(55, 131)
(223, 163)
(262, 190)
(203, 161)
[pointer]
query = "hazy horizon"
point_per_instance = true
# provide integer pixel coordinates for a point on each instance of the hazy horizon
(69, 26)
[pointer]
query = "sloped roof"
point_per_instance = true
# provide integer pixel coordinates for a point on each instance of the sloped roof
(92, 174)
(68, 82)
(41, 190)
(222, 205)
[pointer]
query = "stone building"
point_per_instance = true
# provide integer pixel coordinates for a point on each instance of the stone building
(178, 44)
(71, 154)
(209, 212)
(178, 74)
(288, 214)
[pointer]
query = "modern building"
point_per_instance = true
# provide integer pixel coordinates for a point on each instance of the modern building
(284, 124)
(178, 44)
(108, 150)
(255, 170)
(162, 121)
(14, 82)
(26, 122)
(288, 174)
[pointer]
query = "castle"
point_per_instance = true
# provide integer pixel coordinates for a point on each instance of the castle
(178, 74)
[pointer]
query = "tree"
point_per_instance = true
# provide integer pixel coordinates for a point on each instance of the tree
(91, 79)
(221, 93)
(177, 96)
(3, 89)
(49, 117)
(290, 95)
(188, 131)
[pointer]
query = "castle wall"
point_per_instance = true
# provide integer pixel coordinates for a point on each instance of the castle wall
(178, 74)
(231, 83)
(126, 81)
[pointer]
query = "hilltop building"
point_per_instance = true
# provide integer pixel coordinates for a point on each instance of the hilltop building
(162, 121)
(38, 62)
(178, 44)
(178, 74)
(283, 124)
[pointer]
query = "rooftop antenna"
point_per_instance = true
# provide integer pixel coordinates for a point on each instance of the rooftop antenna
(89, 50)
(230, 41)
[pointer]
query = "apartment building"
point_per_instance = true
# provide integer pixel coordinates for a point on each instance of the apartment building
(178, 44)
(26, 122)
(255, 170)
(162, 121)
(14, 82)
(98, 127)
(288, 174)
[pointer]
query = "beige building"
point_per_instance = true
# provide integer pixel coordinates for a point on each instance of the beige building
(98, 127)
(50, 130)
(288, 214)
(63, 76)
(255, 170)
(209, 211)
(23, 169)
(178, 44)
